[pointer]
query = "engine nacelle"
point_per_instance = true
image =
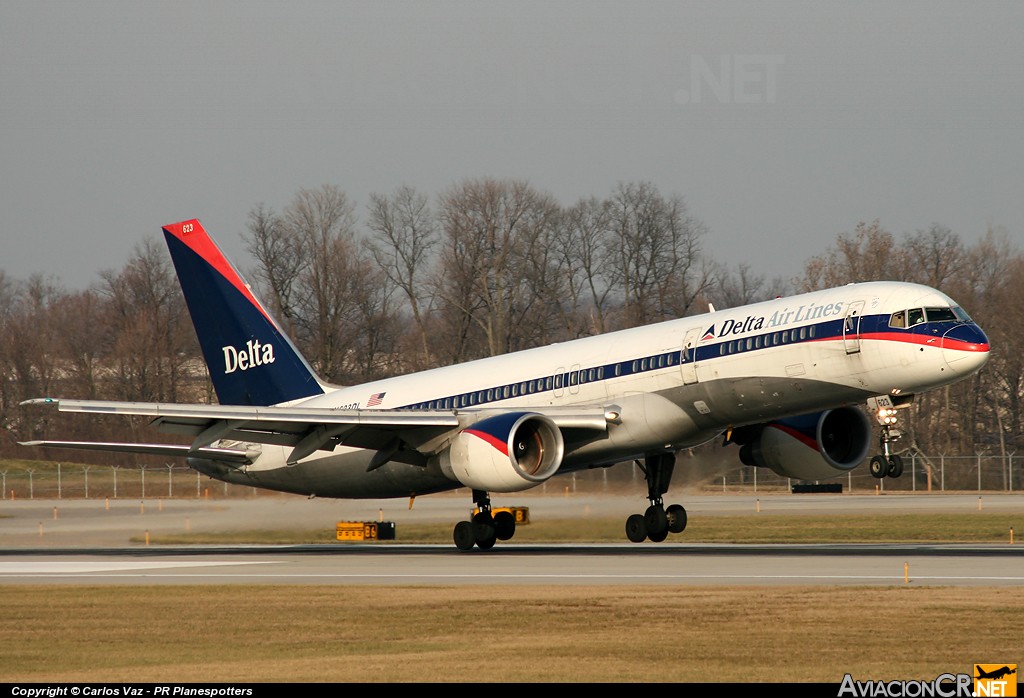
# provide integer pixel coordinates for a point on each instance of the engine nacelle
(505, 453)
(811, 447)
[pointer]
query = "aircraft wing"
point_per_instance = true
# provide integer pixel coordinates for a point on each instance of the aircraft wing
(405, 435)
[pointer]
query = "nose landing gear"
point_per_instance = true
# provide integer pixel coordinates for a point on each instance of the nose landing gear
(886, 464)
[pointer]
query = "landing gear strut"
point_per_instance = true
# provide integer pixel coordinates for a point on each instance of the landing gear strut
(887, 463)
(657, 521)
(485, 528)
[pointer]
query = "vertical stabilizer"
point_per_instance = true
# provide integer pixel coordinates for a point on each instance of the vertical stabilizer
(251, 361)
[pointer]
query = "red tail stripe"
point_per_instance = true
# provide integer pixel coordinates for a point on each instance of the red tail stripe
(197, 240)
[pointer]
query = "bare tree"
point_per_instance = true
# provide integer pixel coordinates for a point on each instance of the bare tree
(405, 234)
(280, 262)
(583, 261)
(495, 264)
(149, 320)
(655, 247)
(870, 253)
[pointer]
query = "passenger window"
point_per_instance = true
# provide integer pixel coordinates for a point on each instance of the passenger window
(811, 332)
(618, 370)
(803, 333)
(757, 342)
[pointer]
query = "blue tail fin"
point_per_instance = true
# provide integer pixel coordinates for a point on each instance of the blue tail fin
(251, 361)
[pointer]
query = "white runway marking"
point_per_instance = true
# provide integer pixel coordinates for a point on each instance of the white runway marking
(42, 567)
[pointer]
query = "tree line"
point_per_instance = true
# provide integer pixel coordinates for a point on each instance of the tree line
(486, 267)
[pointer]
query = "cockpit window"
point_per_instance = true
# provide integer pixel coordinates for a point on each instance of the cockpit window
(940, 314)
(961, 314)
(898, 319)
(915, 316)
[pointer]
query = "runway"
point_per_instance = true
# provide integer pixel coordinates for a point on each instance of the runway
(90, 545)
(529, 564)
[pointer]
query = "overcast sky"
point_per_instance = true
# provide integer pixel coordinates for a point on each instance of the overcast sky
(781, 124)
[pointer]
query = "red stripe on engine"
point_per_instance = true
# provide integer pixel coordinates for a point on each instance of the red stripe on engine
(803, 438)
(491, 439)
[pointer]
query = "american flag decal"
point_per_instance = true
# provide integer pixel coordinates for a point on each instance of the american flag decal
(375, 399)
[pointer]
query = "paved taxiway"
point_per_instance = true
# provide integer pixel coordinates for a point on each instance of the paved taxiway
(98, 542)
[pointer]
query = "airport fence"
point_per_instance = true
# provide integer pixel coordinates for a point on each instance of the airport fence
(998, 473)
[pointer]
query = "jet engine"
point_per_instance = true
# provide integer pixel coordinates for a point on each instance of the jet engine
(810, 447)
(505, 453)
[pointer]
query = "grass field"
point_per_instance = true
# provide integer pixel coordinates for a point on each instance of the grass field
(964, 527)
(502, 633)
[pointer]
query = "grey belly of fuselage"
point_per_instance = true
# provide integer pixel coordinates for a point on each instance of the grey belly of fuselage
(672, 419)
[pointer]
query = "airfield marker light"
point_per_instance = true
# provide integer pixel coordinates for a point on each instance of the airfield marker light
(906, 573)
(55, 513)
(106, 504)
(758, 505)
(979, 502)
(147, 536)
(1011, 535)
(40, 529)
(142, 507)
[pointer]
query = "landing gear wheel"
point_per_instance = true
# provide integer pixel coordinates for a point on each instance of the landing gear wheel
(676, 518)
(657, 523)
(504, 525)
(464, 535)
(636, 529)
(895, 466)
(483, 530)
(879, 467)
(659, 535)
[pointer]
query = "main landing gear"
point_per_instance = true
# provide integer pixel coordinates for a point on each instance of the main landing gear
(887, 463)
(657, 521)
(485, 528)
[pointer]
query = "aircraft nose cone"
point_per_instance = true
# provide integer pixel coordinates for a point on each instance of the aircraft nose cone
(965, 348)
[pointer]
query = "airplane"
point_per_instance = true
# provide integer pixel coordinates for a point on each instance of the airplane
(996, 674)
(789, 381)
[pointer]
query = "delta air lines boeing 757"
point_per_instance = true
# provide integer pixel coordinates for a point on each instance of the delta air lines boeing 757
(786, 380)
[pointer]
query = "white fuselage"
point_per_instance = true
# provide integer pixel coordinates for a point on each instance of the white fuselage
(676, 384)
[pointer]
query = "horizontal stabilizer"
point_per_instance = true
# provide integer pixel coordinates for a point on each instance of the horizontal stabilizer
(228, 455)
